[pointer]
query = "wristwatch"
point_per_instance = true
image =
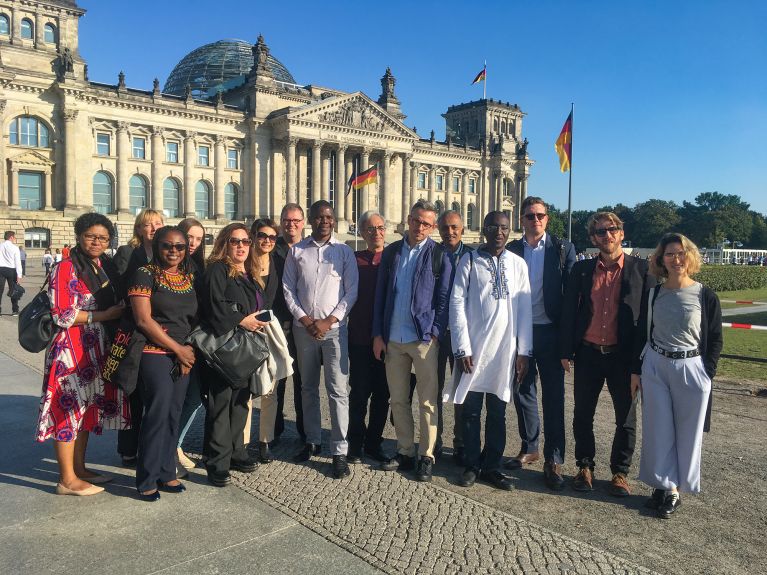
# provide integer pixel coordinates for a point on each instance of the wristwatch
(90, 318)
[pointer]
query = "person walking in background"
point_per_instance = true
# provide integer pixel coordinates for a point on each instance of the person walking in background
(47, 261)
(58, 257)
(491, 329)
(65, 251)
(600, 311)
(320, 284)
(23, 256)
(549, 261)
(10, 269)
(681, 327)
(367, 375)
(84, 292)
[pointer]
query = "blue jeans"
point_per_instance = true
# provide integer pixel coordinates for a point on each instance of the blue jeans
(546, 362)
(489, 458)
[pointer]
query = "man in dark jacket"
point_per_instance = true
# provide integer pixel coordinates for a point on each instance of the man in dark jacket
(549, 260)
(598, 327)
(409, 317)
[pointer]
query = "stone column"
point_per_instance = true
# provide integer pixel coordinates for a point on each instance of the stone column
(316, 170)
(349, 198)
(433, 184)
(413, 185)
(465, 197)
(219, 177)
(39, 36)
(123, 149)
(497, 190)
(250, 192)
(290, 171)
(47, 191)
(340, 206)
(521, 198)
(158, 155)
(407, 188)
(70, 164)
(13, 199)
(15, 26)
(386, 188)
(278, 200)
(485, 195)
(364, 193)
(3, 175)
(189, 162)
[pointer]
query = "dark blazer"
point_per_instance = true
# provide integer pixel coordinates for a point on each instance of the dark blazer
(226, 300)
(636, 281)
(128, 259)
(554, 274)
(273, 284)
(280, 308)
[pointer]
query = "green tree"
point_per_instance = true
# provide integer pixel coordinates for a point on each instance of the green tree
(653, 219)
(557, 222)
(758, 238)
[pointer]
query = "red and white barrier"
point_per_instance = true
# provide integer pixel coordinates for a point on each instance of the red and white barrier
(744, 326)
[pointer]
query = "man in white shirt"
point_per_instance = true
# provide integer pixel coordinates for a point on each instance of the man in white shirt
(10, 268)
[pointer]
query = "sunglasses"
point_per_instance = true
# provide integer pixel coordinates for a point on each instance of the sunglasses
(265, 236)
(533, 216)
(167, 246)
(240, 241)
(602, 232)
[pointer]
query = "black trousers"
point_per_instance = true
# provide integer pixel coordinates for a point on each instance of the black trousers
(127, 439)
(592, 369)
(225, 417)
(367, 380)
(8, 275)
(445, 356)
(162, 398)
(279, 423)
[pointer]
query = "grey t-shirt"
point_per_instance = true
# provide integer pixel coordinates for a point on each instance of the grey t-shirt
(676, 318)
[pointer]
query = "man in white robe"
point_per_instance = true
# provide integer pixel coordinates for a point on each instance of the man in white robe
(491, 327)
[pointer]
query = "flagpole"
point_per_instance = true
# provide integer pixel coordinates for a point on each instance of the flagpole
(570, 186)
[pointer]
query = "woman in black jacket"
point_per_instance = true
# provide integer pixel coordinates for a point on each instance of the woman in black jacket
(233, 296)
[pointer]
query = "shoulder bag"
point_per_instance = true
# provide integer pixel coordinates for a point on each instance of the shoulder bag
(236, 355)
(36, 326)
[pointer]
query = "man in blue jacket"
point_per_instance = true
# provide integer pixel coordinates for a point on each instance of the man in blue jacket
(409, 316)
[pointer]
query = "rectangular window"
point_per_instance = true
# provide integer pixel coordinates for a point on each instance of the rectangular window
(422, 180)
(36, 238)
(440, 182)
(456, 184)
(29, 132)
(102, 144)
(472, 185)
(30, 190)
(139, 148)
(203, 156)
(232, 159)
(171, 152)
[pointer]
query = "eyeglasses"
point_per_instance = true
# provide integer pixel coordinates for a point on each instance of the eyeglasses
(535, 215)
(240, 241)
(675, 255)
(421, 223)
(265, 236)
(602, 232)
(375, 229)
(294, 222)
(167, 246)
(492, 229)
(96, 239)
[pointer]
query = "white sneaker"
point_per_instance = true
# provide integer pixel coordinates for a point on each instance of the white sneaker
(183, 460)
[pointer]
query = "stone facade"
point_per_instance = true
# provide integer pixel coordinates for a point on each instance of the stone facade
(70, 144)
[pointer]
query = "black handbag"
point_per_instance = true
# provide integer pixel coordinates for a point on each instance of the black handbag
(122, 363)
(36, 327)
(16, 292)
(236, 355)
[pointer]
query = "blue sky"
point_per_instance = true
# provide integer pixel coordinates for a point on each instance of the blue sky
(670, 97)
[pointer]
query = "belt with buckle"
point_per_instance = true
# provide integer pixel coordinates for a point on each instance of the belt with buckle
(675, 354)
(603, 349)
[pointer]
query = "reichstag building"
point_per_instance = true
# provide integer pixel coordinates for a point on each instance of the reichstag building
(231, 135)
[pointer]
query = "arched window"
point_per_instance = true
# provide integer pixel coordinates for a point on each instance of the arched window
(470, 223)
(440, 206)
(137, 193)
(49, 34)
(456, 207)
(5, 25)
(202, 200)
(102, 193)
(503, 127)
(27, 29)
(28, 131)
(170, 195)
(231, 193)
(495, 125)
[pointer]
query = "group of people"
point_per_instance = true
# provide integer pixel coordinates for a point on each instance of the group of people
(380, 325)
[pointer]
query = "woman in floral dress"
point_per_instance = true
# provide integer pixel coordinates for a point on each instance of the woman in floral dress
(76, 401)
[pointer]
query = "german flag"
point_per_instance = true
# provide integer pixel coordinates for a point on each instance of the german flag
(369, 176)
(564, 144)
(481, 76)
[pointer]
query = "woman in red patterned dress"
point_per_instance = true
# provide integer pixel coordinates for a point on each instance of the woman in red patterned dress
(76, 401)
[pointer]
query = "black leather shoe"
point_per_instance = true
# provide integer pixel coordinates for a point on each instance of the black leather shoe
(180, 488)
(340, 467)
(264, 453)
(399, 463)
(354, 458)
(468, 478)
(497, 480)
(377, 455)
(656, 499)
(149, 497)
(306, 453)
(670, 504)
(219, 479)
(129, 460)
(243, 466)
(552, 476)
(423, 470)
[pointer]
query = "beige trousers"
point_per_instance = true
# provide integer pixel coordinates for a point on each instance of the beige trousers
(422, 357)
(266, 422)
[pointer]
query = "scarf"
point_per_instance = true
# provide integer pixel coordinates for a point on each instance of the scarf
(102, 280)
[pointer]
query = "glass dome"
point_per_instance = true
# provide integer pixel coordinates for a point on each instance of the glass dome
(220, 65)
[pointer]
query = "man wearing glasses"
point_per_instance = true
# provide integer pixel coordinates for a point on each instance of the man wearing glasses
(367, 375)
(599, 318)
(320, 284)
(409, 317)
(549, 261)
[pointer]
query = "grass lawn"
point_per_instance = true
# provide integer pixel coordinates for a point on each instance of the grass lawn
(746, 294)
(747, 343)
(758, 318)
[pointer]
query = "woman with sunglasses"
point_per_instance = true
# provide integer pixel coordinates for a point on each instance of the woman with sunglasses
(265, 233)
(195, 236)
(681, 339)
(233, 295)
(164, 304)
